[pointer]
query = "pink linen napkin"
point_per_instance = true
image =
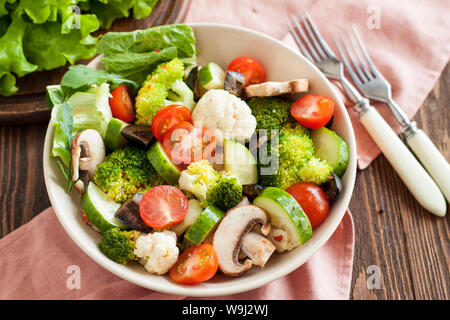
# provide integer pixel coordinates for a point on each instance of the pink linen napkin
(411, 46)
(39, 258)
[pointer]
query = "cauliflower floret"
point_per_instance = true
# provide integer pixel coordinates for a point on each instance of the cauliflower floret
(281, 240)
(218, 109)
(157, 251)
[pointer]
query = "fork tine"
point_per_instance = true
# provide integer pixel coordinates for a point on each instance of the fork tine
(298, 41)
(319, 37)
(345, 61)
(350, 57)
(358, 56)
(369, 61)
(312, 37)
(305, 39)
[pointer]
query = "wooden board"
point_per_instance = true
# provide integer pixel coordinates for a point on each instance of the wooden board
(28, 105)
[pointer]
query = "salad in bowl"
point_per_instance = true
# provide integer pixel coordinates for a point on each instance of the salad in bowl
(194, 169)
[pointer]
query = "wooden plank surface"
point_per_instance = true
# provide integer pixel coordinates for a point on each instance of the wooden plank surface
(409, 245)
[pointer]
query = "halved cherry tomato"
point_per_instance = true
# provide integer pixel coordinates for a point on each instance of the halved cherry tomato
(167, 117)
(252, 70)
(185, 143)
(312, 199)
(313, 110)
(122, 103)
(163, 206)
(195, 264)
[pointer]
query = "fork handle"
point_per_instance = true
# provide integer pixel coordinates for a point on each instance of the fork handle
(432, 159)
(404, 163)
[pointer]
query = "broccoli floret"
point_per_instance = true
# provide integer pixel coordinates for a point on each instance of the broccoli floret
(270, 112)
(125, 172)
(163, 86)
(315, 171)
(226, 193)
(119, 245)
(198, 177)
(293, 160)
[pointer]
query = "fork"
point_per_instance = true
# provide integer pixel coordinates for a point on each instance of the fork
(416, 179)
(374, 86)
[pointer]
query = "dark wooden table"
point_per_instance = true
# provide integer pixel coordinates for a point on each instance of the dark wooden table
(409, 246)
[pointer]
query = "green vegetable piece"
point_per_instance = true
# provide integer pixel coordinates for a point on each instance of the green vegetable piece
(162, 164)
(119, 245)
(100, 209)
(212, 76)
(332, 148)
(113, 137)
(225, 194)
(285, 213)
(205, 223)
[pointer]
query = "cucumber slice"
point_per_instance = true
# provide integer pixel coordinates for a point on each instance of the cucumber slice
(194, 211)
(285, 213)
(113, 137)
(211, 76)
(162, 164)
(331, 148)
(100, 209)
(204, 224)
(240, 162)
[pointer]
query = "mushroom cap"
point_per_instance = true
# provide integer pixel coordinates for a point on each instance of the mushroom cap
(87, 151)
(230, 233)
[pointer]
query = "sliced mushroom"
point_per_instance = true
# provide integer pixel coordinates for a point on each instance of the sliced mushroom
(140, 136)
(87, 150)
(258, 248)
(272, 88)
(332, 187)
(230, 234)
(128, 214)
(234, 82)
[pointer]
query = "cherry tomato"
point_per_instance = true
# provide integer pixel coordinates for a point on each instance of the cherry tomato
(163, 206)
(167, 117)
(312, 199)
(122, 103)
(185, 143)
(252, 70)
(313, 110)
(195, 264)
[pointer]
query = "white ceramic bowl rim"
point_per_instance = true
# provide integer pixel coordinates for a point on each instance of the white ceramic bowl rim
(218, 290)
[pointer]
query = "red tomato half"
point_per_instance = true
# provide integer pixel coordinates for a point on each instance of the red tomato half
(185, 143)
(166, 118)
(313, 110)
(312, 199)
(122, 104)
(163, 206)
(195, 264)
(252, 70)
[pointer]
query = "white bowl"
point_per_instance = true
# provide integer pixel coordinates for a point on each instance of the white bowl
(220, 43)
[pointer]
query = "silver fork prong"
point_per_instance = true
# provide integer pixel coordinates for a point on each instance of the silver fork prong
(299, 42)
(369, 61)
(350, 57)
(358, 56)
(345, 61)
(319, 37)
(312, 37)
(305, 39)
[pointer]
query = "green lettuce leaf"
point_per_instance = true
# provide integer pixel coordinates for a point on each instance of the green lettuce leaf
(135, 54)
(12, 57)
(47, 47)
(79, 77)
